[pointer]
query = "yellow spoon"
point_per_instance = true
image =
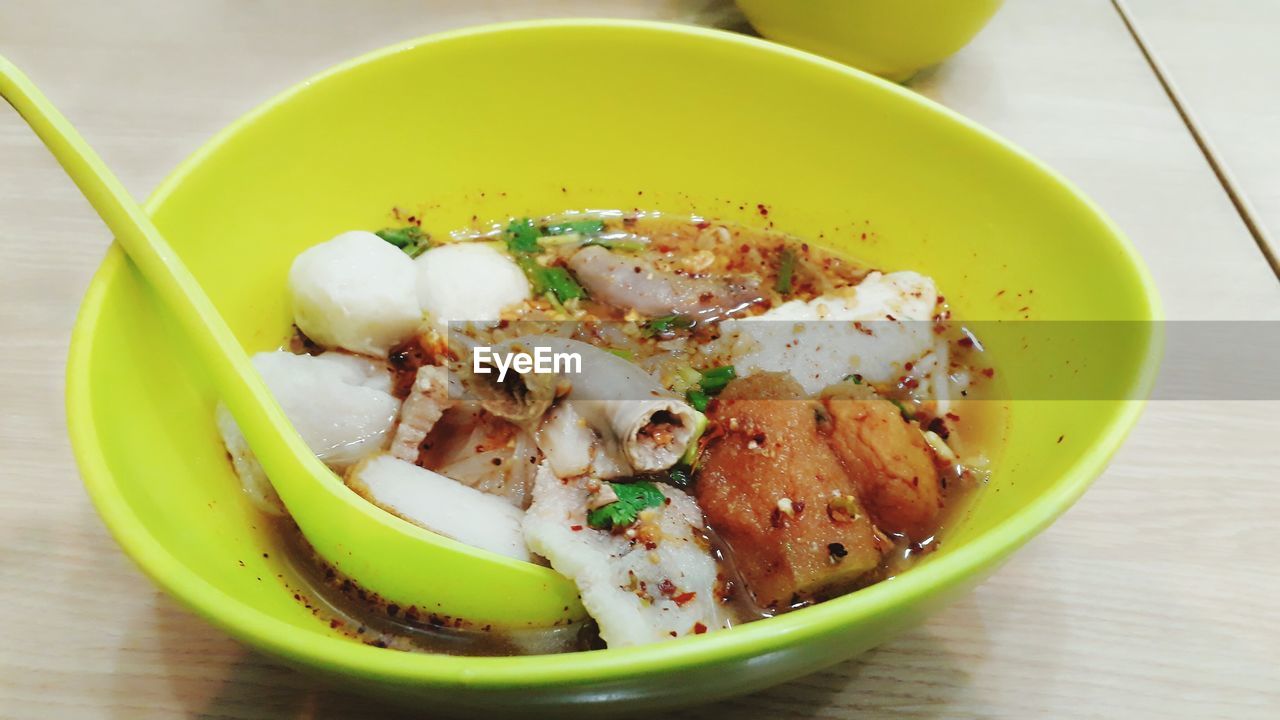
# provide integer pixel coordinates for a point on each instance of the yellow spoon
(402, 562)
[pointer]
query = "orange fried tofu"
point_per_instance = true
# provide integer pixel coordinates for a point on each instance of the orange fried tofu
(775, 492)
(889, 462)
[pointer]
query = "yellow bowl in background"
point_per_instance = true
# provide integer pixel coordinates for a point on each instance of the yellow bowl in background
(891, 38)
(531, 118)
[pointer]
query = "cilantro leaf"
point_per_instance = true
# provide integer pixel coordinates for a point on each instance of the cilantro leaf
(522, 241)
(632, 498)
(559, 282)
(522, 236)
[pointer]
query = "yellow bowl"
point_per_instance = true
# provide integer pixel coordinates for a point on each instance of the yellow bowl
(891, 38)
(532, 118)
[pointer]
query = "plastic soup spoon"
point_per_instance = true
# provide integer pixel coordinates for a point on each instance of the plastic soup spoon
(398, 560)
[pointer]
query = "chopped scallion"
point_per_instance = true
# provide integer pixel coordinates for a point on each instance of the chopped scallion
(697, 399)
(714, 380)
(579, 227)
(786, 269)
(666, 325)
(411, 239)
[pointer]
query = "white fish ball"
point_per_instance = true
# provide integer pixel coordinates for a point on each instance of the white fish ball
(468, 281)
(356, 292)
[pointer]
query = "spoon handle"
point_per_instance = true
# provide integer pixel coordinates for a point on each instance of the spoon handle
(377, 549)
(238, 384)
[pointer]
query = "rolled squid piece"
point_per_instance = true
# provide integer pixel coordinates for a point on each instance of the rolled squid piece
(573, 448)
(518, 397)
(654, 433)
(623, 402)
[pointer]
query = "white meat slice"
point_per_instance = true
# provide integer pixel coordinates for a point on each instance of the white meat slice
(901, 295)
(420, 412)
(496, 456)
(654, 584)
(340, 404)
(872, 329)
(441, 505)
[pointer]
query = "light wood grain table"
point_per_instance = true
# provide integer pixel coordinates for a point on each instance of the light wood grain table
(1156, 596)
(1220, 62)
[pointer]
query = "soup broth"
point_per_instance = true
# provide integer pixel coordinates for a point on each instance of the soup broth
(762, 423)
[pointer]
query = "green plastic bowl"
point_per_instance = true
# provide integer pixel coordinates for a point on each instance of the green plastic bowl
(894, 39)
(531, 118)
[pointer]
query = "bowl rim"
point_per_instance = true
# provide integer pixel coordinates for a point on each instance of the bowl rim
(342, 655)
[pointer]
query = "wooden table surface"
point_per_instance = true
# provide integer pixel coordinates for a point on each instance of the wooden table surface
(1220, 62)
(1156, 596)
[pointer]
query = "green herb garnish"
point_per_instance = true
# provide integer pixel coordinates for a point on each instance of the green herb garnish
(622, 353)
(575, 227)
(617, 244)
(632, 498)
(558, 282)
(855, 378)
(522, 241)
(553, 280)
(680, 476)
(666, 325)
(906, 414)
(684, 377)
(410, 239)
(710, 382)
(697, 399)
(786, 270)
(714, 380)
(522, 236)
(690, 457)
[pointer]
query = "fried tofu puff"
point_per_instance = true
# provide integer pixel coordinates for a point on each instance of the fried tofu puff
(778, 496)
(889, 461)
